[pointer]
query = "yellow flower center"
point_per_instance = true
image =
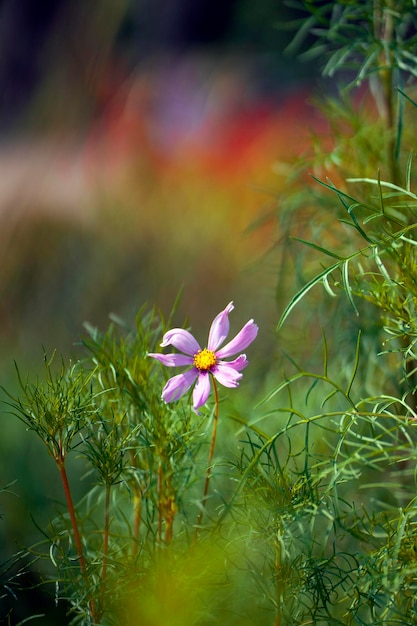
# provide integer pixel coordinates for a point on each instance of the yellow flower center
(204, 360)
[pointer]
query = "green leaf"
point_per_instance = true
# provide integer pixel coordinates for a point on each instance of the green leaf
(374, 181)
(355, 365)
(346, 284)
(318, 248)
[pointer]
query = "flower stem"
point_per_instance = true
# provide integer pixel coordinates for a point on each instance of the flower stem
(210, 458)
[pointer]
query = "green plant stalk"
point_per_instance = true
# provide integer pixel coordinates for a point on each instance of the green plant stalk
(210, 457)
(137, 510)
(278, 580)
(386, 77)
(160, 504)
(106, 537)
(384, 27)
(137, 518)
(169, 521)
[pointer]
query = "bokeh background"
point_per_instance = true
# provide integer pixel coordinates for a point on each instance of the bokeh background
(139, 143)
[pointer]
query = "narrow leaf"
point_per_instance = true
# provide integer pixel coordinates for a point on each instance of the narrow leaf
(373, 181)
(355, 365)
(318, 248)
(296, 299)
(345, 277)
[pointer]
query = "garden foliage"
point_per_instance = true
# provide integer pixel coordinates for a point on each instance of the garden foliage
(309, 510)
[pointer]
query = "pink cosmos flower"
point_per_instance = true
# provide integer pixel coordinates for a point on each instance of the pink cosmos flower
(207, 362)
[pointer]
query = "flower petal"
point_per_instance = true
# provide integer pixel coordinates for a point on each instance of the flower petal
(227, 375)
(182, 340)
(178, 385)
(244, 337)
(201, 390)
(172, 360)
(219, 328)
(238, 364)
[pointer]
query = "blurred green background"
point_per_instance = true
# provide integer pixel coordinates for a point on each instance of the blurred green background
(137, 150)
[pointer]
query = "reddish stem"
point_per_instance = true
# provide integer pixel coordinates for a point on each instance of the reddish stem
(64, 477)
(70, 505)
(210, 458)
